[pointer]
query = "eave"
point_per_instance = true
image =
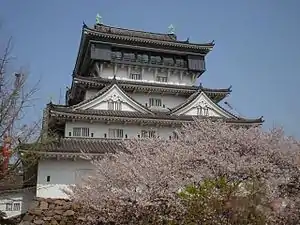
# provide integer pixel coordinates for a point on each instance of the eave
(146, 87)
(75, 148)
(183, 45)
(66, 114)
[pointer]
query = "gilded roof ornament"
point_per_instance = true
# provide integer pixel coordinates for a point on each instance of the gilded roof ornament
(98, 19)
(171, 29)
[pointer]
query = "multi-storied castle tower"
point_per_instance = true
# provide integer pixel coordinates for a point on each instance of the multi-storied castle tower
(126, 83)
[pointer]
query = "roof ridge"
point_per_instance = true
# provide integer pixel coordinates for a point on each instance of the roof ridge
(133, 30)
(208, 45)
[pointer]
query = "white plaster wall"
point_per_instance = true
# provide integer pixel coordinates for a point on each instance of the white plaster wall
(170, 101)
(193, 112)
(148, 75)
(62, 174)
(99, 129)
(24, 197)
(104, 106)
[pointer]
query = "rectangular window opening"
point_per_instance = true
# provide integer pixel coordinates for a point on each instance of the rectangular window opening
(115, 133)
(162, 79)
(155, 102)
(16, 206)
(135, 76)
(8, 207)
(114, 105)
(81, 132)
(148, 133)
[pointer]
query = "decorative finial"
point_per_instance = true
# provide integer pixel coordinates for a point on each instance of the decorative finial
(98, 19)
(171, 29)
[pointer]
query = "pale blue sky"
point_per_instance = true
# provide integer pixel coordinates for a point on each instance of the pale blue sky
(257, 47)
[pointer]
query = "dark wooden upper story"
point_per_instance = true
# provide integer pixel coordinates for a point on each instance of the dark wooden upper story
(111, 44)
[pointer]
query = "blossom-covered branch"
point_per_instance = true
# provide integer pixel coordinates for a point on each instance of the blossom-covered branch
(153, 170)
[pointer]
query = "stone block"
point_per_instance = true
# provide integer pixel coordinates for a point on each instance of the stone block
(43, 205)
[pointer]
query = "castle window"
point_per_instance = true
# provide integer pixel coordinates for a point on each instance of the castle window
(161, 79)
(135, 76)
(148, 133)
(16, 206)
(155, 102)
(115, 133)
(48, 179)
(8, 207)
(202, 111)
(81, 132)
(114, 105)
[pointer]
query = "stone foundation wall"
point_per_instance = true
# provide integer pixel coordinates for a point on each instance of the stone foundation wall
(55, 212)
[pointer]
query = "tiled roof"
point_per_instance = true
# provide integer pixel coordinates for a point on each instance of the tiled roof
(99, 81)
(79, 145)
(129, 85)
(134, 33)
(66, 113)
(106, 88)
(166, 40)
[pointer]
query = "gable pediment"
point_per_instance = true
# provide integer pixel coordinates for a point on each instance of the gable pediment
(114, 97)
(204, 106)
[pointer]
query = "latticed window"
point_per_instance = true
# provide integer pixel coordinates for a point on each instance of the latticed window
(16, 206)
(148, 133)
(115, 133)
(155, 102)
(114, 105)
(81, 132)
(202, 111)
(8, 206)
(161, 79)
(136, 76)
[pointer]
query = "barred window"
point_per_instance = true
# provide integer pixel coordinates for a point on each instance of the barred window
(136, 76)
(155, 102)
(202, 111)
(161, 79)
(8, 207)
(114, 105)
(81, 132)
(16, 206)
(148, 133)
(115, 133)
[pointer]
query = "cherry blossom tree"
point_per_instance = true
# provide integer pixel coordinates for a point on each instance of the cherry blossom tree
(145, 184)
(15, 98)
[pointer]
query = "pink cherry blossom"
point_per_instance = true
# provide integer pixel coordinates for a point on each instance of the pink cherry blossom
(153, 170)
